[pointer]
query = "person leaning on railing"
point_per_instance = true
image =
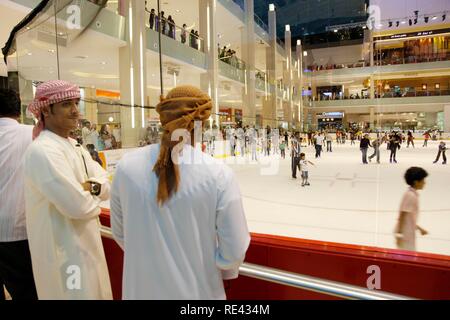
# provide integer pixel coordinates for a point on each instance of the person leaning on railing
(184, 33)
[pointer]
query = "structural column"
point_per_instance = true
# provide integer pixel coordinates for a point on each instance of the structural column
(289, 76)
(249, 56)
(372, 87)
(298, 114)
(447, 118)
(372, 117)
(133, 75)
(271, 54)
(209, 81)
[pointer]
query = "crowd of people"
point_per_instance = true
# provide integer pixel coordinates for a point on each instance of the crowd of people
(229, 57)
(50, 241)
(316, 67)
(168, 28)
(53, 188)
(103, 140)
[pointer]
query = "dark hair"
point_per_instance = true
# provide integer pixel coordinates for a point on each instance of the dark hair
(9, 103)
(302, 155)
(415, 174)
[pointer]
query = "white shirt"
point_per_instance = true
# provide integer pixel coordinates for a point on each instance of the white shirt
(304, 165)
(86, 136)
(409, 205)
(184, 249)
(62, 219)
(319, 140)
(14, 140)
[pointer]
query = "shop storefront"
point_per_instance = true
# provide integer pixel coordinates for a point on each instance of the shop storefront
(330, 121)
(413, 47)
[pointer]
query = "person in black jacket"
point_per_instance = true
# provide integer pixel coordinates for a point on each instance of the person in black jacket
(394, 144)
(295, 156)
(163, 23)
(152, 18)
(364, 146)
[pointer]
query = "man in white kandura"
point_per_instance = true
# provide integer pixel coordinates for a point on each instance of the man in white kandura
(181, 223)
(63, 190)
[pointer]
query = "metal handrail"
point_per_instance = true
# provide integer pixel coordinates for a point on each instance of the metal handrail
(303, 282)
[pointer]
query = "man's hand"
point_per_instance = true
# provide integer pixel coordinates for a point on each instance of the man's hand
(86, 186)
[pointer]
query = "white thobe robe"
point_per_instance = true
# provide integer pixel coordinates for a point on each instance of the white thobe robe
(62, 220)
(186, 248)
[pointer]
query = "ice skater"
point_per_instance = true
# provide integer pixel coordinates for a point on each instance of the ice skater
(405, 231)
(352, 138)
(364, 146)
(410, 139)
(295, 155)
(426, 136)
(376, 152)
(442, 149)
(393, 146)
(319, 144)
(304, 168)
(329, 140)
(283, 149)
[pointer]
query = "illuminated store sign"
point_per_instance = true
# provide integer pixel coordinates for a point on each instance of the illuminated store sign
(414, 34)
(335, 115)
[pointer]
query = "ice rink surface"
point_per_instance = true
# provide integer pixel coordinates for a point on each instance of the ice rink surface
(347, 202)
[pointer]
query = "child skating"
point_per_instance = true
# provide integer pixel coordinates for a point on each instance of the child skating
(304, 168)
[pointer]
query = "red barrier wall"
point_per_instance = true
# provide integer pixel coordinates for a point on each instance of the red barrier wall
(419, 275)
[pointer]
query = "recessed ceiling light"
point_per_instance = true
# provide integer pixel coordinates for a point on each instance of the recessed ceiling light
(103, 62)
(29, 54)
(51, 50)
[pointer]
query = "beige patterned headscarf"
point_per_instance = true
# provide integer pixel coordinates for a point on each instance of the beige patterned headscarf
(179, 110)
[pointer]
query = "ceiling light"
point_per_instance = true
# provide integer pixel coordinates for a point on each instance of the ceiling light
(403, 22)
(335, 30)
(434, 18)
(29, 54)
(103, 62)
